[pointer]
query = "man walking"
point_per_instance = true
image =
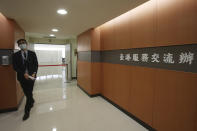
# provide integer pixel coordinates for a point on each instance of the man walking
(26, 65)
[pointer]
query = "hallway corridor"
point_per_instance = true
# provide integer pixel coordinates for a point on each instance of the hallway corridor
(63, 106)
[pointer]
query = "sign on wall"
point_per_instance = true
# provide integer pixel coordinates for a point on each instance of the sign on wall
(179, 58)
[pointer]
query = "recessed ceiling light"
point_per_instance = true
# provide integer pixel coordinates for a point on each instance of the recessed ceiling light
(52, 35)
(62, 11)
(55, 30)
(54, 129)
(51, 108)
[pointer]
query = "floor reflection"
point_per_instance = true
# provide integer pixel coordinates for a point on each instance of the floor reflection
(61, 106)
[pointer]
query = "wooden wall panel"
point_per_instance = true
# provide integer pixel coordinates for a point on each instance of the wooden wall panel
(84, 75)
(96, 78)
(108, 39)
(84, 41)
(109, 76)
(155, 23)
(10, 90)
(135, 29)
(176, 22)
(6, 33)
(122, 32)
(122, 85)
(95, 42)
(143, 25)
(116, 80)
(102, 36)
(166, 100)
(175, 102)
(89, 79)
(142, 93)
(7, 88)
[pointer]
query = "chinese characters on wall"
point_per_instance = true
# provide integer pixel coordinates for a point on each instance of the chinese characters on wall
(168, 58)
(177, 57)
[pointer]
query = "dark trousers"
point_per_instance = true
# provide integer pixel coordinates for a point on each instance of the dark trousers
(27, 86)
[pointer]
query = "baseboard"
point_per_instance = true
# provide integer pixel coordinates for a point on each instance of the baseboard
(95, 95)
(145, 125)
(13, 108)
(8, 110)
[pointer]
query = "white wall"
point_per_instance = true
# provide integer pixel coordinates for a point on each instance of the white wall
(49, 54)
(73, 43)
(49, 57)
(31, 47)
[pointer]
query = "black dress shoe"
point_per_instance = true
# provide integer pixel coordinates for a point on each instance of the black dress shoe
(26, 116)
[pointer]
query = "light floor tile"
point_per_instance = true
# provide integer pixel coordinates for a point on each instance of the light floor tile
(62, 106)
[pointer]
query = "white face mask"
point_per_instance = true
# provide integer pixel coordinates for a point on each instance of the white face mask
(23, 46)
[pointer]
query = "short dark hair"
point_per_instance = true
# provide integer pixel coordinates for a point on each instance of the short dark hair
(21, 40)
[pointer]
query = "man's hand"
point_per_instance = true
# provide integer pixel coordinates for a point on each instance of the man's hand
(34, 75)
(26, 76)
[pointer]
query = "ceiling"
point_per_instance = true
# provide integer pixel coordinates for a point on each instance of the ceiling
(38, 17)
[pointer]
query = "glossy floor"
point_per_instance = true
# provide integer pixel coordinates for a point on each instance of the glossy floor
(62, 106)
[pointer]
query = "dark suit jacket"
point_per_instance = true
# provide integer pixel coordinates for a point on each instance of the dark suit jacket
(19, 66)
